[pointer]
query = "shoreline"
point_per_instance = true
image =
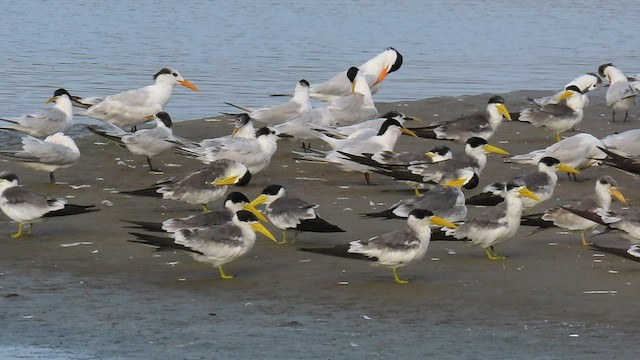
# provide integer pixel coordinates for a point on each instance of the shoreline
(110, 299)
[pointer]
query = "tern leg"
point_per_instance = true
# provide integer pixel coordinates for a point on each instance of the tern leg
(613, 119)
(205, 209)
(151, 169)
(416, 189)
(367, 177)
(491, 254)
(558, 138)
(584, 239)
(625, 115)
(52, 178)
(396, 278)
(19, 233)
(284, 238)
(223, 275)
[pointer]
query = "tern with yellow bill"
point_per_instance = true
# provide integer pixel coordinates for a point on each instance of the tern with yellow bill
(58, 118)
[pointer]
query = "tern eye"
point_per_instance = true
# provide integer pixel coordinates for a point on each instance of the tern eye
(175, 74)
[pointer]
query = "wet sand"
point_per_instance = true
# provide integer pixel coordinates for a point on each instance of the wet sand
(106, 298)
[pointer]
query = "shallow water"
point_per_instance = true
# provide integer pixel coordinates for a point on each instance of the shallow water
(242, 51)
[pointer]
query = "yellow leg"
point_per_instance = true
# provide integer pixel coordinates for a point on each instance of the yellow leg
(19, 233)
(417, 191)
(396, 278)
(558, 138)
(284, 238)
(223, 275)
(584, 239)
(205, 209)
(491, 254)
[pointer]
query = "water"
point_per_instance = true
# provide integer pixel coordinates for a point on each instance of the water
(241, 51)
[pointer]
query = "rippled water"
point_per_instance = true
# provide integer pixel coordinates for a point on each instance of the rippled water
(241, 51)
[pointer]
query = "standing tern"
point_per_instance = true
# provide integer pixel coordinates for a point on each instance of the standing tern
(288, 212)
(482, 124)
(254, 153)
(201, 186)
(145, 142)
(58, 118)
(497, 224)
(133, 107)
(559, 117)
(599, 200)
(384, 140)
(621, 96)
(375, 71)
(446, 200)
(394, 249)
(586, 83)
(278, 114)
(57, 151)
(579, 151)
(542, 183)
(216, 245)
(234, 202)
(27, 207)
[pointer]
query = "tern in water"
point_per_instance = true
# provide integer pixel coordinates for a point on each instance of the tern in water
(58, 118)
(288, 212)
(27, 207)
(133, 107)
(621, 96)
(216, 245)
(57, 151)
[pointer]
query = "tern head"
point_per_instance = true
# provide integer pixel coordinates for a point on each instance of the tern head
(498, 102)
(9, 177)
(269, 195)
(475, 142)
(602, 69)
(165, 119)
(420, 215)
(237, 201)
(351, 75)
(303, 82)
(241, 120)
(553, 163)
(391, 123)
(57, 94)
(172, 77)
(439, 153)
(246, 217)
(610, 186)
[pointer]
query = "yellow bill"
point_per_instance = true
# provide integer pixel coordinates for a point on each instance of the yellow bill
(262, 230)
(230, 180)
(503, 110)
(455, 183)
(494, 149)
(408, 132)
(527, 193)
(259, 200)
(565, 95)
(568, 169)
(442, 222)
(250, 208)
(618, 195)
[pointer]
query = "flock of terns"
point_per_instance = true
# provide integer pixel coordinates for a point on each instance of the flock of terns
(356, 138)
